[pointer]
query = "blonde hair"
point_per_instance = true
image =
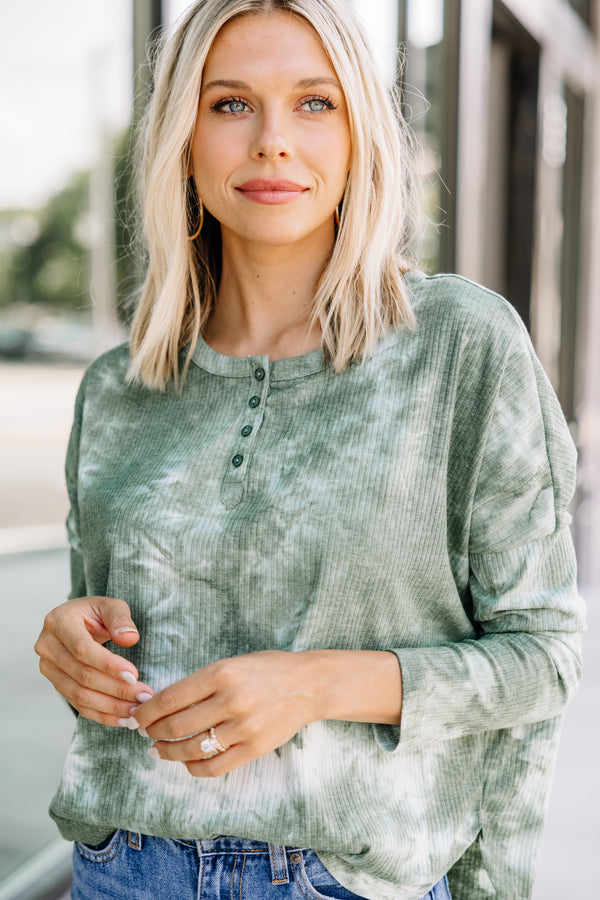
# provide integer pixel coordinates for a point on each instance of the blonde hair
(361, 292)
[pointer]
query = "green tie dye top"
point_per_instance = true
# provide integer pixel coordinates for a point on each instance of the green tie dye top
(416, 503)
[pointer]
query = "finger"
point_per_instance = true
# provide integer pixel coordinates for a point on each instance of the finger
(116, 617)
(128, 688)
(182, 695)
(85, 623)
(191, 748)
(90, 703)
(80, 645)
(221, 763)
(197, 717)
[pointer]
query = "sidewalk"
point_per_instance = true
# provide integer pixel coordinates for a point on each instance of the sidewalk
(568, 863)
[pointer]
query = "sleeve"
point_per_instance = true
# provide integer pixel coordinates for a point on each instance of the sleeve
(524, 663)
(78, 585)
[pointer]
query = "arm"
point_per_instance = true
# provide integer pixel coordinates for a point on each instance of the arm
(97, 683)
(258, 701)
(525, 663)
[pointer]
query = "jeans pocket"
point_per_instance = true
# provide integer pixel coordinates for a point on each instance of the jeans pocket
(315, 881)
(103, 852)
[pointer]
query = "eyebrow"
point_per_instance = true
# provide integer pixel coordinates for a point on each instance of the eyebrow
(242, 86)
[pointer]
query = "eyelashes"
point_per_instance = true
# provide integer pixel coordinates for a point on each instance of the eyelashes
(326, 101)
(219, 106)
(238, 106)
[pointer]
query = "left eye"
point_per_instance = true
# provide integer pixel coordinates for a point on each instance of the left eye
(234, 106)
(316, 105)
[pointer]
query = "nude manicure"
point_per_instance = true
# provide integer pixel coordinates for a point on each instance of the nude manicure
(128, 723)
(153, 753)
(127, 676)
(141, 698)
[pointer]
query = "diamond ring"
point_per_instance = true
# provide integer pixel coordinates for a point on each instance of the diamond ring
(210, 745)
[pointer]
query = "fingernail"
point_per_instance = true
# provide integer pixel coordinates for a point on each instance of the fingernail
(125, 629)
(127, 676)
(143, 732)
(128, 723)
(153, 753)
(141, 698)
(133, 709)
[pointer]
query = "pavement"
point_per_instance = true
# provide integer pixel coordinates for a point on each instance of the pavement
(36, 404)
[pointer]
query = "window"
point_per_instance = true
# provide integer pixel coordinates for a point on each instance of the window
(430, 32)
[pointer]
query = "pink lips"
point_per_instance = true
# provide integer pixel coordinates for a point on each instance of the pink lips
(268, 190)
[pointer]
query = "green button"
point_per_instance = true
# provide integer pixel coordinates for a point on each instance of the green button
(253, 402)
(259, 373)
(246, 430)
(237, 460)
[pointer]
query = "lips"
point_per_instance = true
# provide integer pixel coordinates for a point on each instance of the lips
(268, 184)
(271, 190)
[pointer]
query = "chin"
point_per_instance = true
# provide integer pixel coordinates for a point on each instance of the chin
(283, 237)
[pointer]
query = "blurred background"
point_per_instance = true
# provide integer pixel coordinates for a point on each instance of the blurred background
(510, 174)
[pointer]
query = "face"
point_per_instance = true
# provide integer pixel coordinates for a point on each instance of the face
(271, 147)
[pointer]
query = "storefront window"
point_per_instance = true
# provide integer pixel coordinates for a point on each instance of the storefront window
(429, 30)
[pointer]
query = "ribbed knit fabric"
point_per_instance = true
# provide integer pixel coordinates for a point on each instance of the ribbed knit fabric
(416, 503)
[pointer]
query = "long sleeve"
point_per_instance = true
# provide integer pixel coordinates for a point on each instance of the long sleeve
(78, 585)
(524, 662)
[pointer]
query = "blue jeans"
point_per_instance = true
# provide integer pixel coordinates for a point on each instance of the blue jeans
(129, 866)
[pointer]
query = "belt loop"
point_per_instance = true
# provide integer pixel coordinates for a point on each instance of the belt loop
(134, 839)
(279, 866)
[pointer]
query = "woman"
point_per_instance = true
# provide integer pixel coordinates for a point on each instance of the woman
(319, 508)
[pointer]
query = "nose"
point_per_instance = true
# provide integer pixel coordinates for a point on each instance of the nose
(270, 141)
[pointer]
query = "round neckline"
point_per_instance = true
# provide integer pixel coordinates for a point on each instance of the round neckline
(242, 366)
(286, 369)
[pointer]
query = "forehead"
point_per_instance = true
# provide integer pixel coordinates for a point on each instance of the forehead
(268, 42)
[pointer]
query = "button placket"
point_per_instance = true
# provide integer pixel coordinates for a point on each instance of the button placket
(232, 487)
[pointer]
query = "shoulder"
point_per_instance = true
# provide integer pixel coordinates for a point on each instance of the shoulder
(110, 365)
(106, 373)
(443, 301)
(466, 329)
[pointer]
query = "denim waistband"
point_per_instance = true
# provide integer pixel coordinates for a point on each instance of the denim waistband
(277, 853)
(224, 844)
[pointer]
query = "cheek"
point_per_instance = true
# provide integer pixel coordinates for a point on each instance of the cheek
(332, 149)
(212, 163)
(205, 154)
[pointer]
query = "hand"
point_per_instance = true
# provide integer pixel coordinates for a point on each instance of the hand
(255, 702)
(97, 683)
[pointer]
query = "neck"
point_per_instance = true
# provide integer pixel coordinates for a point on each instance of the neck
(266, 298)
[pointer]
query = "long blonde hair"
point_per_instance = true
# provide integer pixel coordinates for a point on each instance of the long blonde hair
(361, 292)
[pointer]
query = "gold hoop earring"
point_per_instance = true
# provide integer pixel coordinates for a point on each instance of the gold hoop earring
(336, 217)
(192, 237)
